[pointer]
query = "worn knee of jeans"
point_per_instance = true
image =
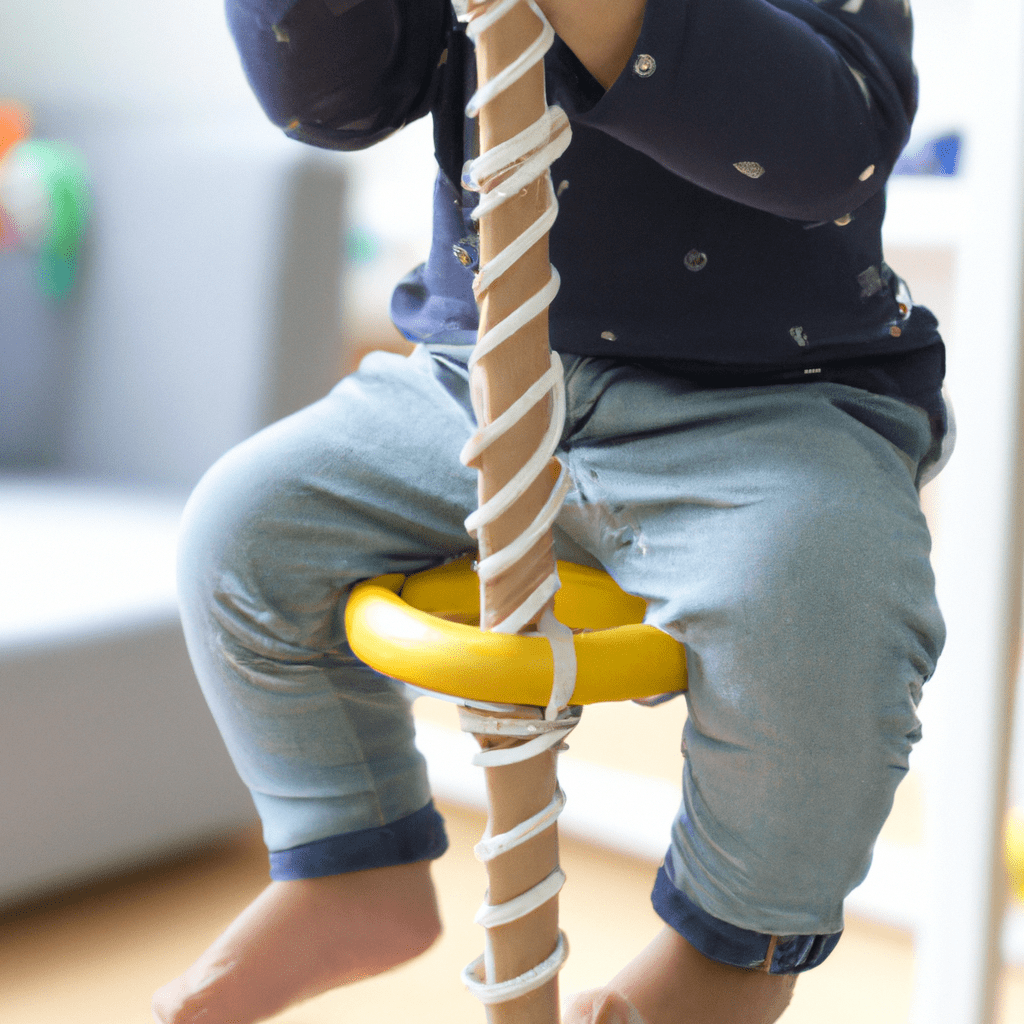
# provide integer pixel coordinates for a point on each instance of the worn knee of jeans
(803, 694)
(244, 565)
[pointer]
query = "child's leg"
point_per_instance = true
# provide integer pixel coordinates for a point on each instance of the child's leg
(777, 533)
(671, 983)
(301, 938)
(366, 481)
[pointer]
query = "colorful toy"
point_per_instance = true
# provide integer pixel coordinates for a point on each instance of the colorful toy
(44, 200)
(939, 156)
(15, 126)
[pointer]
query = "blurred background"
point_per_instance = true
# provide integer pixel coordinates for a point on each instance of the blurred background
(224, 276)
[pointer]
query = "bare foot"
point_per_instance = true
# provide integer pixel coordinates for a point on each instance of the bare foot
(600, 1006)
(300, 938)
(671, 983)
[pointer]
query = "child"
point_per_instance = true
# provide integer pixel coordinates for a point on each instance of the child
(753, 402)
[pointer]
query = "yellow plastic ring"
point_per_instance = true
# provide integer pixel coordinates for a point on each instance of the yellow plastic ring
(421, 630)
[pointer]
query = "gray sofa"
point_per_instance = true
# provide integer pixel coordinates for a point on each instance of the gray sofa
(208, 305)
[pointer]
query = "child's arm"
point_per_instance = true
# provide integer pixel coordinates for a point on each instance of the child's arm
(789, 106)
(341, 74)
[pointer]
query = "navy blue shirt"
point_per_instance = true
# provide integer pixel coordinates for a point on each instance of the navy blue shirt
(720, 205)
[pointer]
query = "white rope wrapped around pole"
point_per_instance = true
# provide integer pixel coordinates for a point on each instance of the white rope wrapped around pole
(519, 399)
(543, 736)
(501, 173)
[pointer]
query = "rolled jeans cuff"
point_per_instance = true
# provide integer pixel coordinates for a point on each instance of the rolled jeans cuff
(418, 836)
(728, 944)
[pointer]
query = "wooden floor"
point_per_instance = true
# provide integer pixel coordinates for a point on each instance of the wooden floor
(94, 956)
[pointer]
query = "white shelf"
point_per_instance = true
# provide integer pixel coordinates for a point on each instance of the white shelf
(925, 212)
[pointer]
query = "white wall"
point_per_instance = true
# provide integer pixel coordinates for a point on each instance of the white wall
(940, 28)
(121, 53)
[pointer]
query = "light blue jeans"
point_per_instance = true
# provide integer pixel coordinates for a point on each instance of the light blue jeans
(775, 531)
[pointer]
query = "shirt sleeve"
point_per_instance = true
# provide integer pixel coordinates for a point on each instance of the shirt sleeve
(340, 74)
(795, 107)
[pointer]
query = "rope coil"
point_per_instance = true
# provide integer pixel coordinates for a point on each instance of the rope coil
(513, 165)
(529, 981)
(543, 735)
(491, 915)
(494, 846)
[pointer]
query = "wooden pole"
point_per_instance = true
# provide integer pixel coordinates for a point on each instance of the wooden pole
(500, 377)
(516, 792)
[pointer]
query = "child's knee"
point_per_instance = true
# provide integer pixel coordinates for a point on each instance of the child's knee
(245, 486)
(253, 566)
(219, 519)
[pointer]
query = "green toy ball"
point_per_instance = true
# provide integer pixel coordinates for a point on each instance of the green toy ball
(44, 191)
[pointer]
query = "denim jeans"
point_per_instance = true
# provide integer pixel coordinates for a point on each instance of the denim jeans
(775, 531)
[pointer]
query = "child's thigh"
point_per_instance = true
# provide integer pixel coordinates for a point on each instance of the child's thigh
(363, 482)
(781, 540)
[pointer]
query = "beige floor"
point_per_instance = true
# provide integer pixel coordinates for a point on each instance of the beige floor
(94, 956)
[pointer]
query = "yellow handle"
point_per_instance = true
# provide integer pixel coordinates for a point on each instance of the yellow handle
(422, 631)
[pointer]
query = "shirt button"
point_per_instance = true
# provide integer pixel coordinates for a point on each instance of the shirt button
(751, 168)
(644, 66)
(695, 260)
